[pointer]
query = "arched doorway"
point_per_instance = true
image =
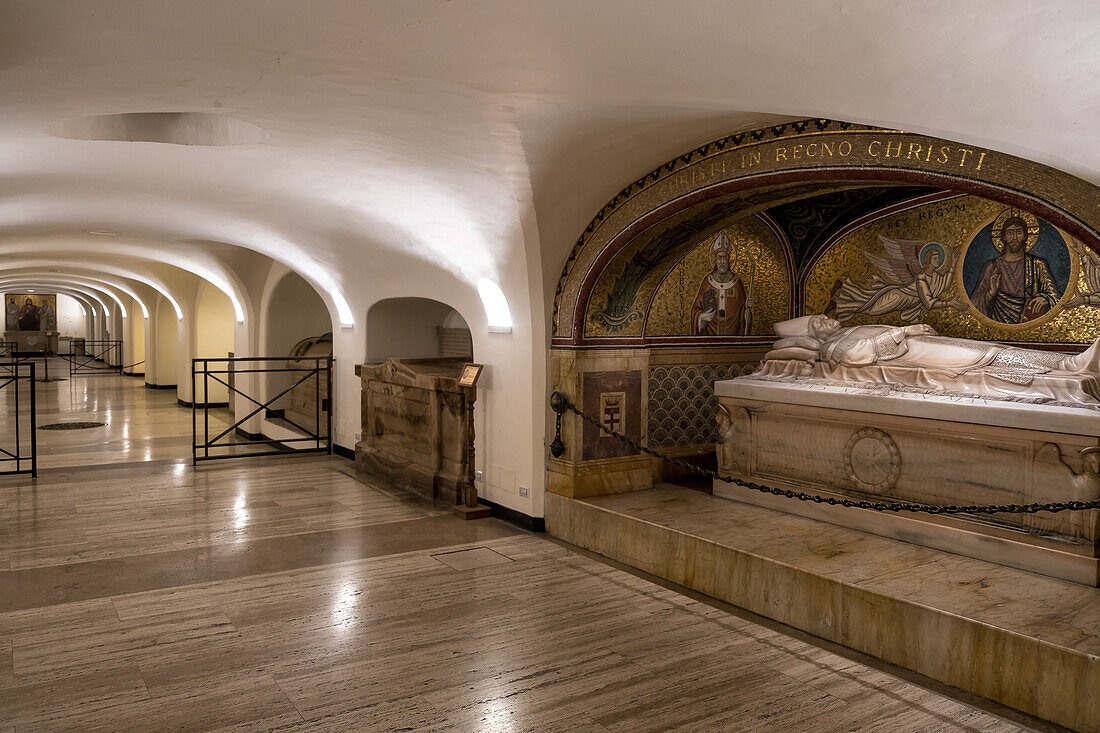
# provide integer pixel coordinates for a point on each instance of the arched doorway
(296, 327)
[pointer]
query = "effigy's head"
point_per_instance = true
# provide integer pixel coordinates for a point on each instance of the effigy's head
(822, 327)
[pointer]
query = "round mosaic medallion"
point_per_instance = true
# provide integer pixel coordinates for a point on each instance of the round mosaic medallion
(72, 425)
(872, 460)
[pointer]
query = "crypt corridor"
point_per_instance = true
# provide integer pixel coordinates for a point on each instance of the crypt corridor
(549, 365)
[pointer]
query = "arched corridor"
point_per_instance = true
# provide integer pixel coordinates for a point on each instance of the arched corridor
(511, 366)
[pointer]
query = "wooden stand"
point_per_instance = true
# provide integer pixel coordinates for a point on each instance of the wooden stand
(469, 508)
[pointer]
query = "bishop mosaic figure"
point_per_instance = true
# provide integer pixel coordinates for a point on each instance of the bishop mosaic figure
(721, 307)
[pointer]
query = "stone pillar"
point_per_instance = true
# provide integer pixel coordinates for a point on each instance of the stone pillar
(611, 386)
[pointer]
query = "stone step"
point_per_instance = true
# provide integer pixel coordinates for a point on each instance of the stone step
(1024, 640)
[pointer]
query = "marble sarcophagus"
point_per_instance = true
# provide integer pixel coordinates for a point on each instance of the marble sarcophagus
(863, 443)
(415, 425)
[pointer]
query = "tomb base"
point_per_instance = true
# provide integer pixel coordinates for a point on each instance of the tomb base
(1027, 641)
(919, 448)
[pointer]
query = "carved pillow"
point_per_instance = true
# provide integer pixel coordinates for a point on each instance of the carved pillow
(794, 327)
(795, 353)
(802, 342)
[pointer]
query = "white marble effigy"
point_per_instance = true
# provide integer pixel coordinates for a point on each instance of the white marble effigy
(890, 441)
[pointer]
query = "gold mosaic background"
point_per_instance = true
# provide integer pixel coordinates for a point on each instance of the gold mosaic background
(788, 146)
(670, 313)
(953, 223)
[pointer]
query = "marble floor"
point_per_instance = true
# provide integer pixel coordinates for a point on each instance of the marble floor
(283, 593)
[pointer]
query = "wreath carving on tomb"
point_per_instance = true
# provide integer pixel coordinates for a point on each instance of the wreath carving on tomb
(872, 460)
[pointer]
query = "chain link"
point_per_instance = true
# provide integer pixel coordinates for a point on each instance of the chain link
(878, 506)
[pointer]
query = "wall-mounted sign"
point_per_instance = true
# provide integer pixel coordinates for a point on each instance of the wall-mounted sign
(470, 374)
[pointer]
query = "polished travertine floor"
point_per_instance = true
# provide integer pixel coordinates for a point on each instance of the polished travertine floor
(284, 594)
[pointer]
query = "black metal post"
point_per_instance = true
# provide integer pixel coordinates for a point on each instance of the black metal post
(194, 417)
(34, 428)
(331, 402)
(557, 404)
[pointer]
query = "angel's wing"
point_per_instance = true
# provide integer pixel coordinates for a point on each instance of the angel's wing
(952, 256)
(901, 263)
(1090, 266)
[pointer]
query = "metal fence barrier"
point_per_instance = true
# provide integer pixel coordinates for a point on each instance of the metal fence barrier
(7, 357)
(18, 439)
(99, 356)
(315, 373)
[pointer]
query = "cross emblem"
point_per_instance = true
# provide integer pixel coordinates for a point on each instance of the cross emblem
(613, 410)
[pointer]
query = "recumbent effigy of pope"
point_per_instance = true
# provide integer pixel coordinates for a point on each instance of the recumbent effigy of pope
(900, 412)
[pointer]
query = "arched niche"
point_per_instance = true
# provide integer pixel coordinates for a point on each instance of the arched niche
(294, 316)
(818, 208)
(214, 337)
(416, 328)
(294, 312)
(637, 236)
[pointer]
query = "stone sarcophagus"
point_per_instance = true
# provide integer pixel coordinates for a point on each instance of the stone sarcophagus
(415, 425)
(859, 443)
(33, 342)
(308, 404)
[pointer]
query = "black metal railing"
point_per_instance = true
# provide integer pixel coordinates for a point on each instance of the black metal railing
(100, 356)
(8, 359)
(223, 376)
(18, 439)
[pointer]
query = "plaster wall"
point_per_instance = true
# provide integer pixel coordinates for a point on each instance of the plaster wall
(214, 337)
(167, 344)
(138, 325)
(70, 320)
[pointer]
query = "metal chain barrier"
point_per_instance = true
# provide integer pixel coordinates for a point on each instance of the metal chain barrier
(560, 404)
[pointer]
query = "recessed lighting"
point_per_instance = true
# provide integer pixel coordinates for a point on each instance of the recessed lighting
(102, 233)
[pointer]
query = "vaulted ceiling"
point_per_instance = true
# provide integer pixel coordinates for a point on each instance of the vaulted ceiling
(467, 139)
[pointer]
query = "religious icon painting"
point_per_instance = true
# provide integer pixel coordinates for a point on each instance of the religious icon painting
(1016, 272)
(721, 306)
(30, 312)
(730, 283)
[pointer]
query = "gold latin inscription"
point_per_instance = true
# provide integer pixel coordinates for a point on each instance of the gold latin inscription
(938, 154)
(822, 151)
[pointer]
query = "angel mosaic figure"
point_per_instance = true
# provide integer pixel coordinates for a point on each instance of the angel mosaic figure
(1090, 268)
(915, 277)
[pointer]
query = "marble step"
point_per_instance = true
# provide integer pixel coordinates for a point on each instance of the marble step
(1024, 640)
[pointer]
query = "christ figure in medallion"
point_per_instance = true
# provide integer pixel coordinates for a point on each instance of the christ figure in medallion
(1015, 286)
